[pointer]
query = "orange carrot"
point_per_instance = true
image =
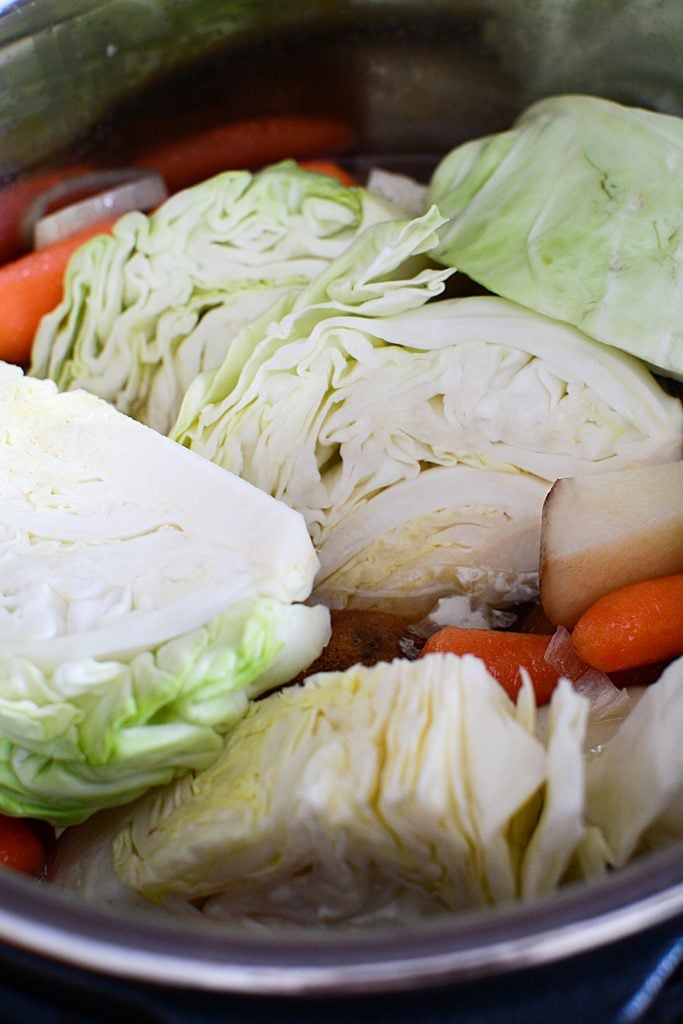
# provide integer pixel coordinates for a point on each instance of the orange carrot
(16, 198)
(330, 167)
(30, 287)
(244, 144)
(635, 625)
(503, 654)
(21, 846)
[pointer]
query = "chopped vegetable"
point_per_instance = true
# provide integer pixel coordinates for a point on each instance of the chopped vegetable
(504, 653)
(30, 287)
(364, 637)
(162, 299)
(635, 781)
(419, 438)
(391, 793)
(635, 625)
(335, 170)
(106, 195)
(600, 533)
(381, 793)
(576, 212)
(249, 144)
(21, 846)
(146, 596)
(610, 702)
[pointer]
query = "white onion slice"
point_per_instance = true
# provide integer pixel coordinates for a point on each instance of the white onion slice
(561, 655)
(118, 192)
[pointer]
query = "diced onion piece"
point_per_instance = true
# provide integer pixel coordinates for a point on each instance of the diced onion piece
(118, 192)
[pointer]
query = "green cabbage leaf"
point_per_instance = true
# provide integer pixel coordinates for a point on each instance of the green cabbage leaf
(384, 793)
(393, 793)
(151, 305)
(419, 439)
(145, 595)
(576, 212)
(645, 810)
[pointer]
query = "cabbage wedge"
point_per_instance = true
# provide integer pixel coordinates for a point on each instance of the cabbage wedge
(644, 809)
(576, 212)
(159, 300)
(384, 793)
(419, 439)
(145, 595)
(392, 793)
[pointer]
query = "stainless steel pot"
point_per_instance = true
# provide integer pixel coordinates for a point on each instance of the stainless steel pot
(94, 76)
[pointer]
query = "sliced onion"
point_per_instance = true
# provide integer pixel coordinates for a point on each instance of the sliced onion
(609, 705)
(560, 654)
(114, 193)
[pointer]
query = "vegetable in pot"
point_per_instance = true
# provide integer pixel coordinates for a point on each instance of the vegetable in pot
(160, 299)
(30, 287)
(381, 793)
(419, 438)
(145, 596)
(576, 212)
(635, 625)
(89, 200)
(250, 144)
(503, 652)
(634, 784)
(22, 846)
(392, 793)
(600, 533)
(17, 198)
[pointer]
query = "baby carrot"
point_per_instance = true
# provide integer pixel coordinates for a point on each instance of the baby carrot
(30, 287)
(251, 143)
(503, 653)
(635, 625)
(21, 846)
(330, 167)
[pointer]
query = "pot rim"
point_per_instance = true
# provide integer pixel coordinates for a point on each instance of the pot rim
(197, 954)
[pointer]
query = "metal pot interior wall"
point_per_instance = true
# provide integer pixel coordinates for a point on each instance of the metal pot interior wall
(414, 77)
